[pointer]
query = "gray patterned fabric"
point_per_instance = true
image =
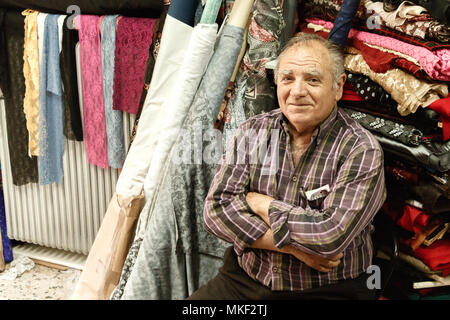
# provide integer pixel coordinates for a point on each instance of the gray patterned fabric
(197, 256)
(175, 246)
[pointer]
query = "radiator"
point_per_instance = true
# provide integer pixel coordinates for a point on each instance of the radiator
(64, 216)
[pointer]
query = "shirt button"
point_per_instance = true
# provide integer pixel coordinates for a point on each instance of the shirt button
(275, 269)
(294, 179)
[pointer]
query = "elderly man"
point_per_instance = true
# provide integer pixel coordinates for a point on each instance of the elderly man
(301, 230)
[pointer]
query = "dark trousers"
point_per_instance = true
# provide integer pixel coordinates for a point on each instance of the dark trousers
(232, 283)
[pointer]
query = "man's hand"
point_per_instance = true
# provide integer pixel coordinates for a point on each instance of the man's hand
(259, 203)
(314, 261)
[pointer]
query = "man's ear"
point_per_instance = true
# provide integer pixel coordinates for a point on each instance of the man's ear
(340, 86)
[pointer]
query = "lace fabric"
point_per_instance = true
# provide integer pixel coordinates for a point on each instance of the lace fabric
(133, 39)
(51, 136)
(31, 74)
(23, 168)
(73, 127)
(114, 124)
(95, 137)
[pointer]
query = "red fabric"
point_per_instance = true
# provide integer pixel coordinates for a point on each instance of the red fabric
(350, 94)
(436, 256)
(413, 219)
(442, 106)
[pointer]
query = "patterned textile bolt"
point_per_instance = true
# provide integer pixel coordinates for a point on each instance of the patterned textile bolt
(188, 184)
(92, 90)
(31, 74)
(133, 39)
(114, 123)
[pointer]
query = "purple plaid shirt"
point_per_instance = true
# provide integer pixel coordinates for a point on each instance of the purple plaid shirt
(342, 157)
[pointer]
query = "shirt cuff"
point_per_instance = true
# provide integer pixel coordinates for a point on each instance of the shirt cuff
(278, 218)
(255, 229)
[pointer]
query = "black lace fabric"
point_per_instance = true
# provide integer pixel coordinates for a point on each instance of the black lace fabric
(24, 168)
(73, 128)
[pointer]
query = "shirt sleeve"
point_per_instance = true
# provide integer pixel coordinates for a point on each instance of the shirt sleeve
(354, 199)
(226, 212)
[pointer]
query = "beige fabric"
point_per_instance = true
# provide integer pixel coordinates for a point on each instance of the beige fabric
(409, 92)
(406, 10)
(104, 264)
(31, 74)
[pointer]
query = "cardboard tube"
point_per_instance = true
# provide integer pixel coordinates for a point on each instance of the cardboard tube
(240, 13)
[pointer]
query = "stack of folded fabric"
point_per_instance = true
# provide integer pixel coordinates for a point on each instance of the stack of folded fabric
(397, 61)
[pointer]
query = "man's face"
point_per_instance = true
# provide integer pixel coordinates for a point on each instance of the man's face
(305, 86)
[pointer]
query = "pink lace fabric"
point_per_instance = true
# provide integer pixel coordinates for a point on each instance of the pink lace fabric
(435, 63)
(133, 40)
(92, 90)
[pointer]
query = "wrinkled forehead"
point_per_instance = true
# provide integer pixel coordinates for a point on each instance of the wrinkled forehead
(311, 57)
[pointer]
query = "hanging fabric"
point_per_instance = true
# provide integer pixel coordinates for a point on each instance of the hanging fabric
(73, 127)
(92, 90)
(114, 123)
(7, 254)
(133, 39)
(24, 168)
(31, 74)
(51, 135)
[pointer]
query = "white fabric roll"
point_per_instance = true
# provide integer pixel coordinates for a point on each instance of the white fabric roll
(174, 43)
(191, 72)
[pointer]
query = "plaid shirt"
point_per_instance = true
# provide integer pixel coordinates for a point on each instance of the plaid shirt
(342, 155)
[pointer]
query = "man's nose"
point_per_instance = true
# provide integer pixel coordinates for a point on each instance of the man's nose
(299, 88)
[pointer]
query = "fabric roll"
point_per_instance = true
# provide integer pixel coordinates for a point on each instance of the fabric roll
(266, 26)
(152, 55)
(209, 14)
(343, 23)
(133, 39)
(409, 92)
(137, 162)
(435, 63)
(131, 180)
(73, 126)
(24, 168)
(436, 256)
(185, 220)
(178, 105)
(113, 118)
(370, 90)
(31, 74)
(51, 135)
(95, 138)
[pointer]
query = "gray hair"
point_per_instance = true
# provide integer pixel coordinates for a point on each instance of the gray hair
(334, 50)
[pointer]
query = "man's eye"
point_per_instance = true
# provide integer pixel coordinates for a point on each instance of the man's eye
(314, 80)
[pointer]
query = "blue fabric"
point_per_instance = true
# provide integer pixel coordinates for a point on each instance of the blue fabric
(51, 116)
(7, 248)
(183, 10)
(343, 22)
(114, 124)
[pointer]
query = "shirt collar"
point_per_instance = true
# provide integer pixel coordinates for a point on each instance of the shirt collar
(320, 131)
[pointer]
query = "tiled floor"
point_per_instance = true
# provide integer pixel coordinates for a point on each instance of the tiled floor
(40, 283)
